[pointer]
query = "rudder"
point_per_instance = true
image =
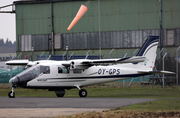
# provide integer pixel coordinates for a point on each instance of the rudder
(148, 50)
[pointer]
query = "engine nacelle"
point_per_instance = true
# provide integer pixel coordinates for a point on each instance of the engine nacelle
(77, 64)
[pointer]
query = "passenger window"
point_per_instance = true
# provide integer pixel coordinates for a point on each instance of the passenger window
(59, 70)
(63, 70)
(77, 71)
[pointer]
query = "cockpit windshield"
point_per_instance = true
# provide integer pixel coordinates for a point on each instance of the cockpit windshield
(29, 74)
(35, 71)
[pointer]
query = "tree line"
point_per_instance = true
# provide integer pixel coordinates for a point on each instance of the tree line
(7, 43)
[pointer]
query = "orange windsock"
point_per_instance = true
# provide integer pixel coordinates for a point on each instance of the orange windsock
(80, 13)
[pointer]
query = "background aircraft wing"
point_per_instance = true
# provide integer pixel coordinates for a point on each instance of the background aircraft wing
(17, 62)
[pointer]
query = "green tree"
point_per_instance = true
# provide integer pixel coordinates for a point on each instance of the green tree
(1, 42)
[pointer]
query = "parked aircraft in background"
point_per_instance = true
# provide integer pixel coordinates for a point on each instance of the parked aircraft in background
(60, 75)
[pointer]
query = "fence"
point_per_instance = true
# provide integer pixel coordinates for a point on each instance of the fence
(62, 57)
(8, 71)
(171, 63)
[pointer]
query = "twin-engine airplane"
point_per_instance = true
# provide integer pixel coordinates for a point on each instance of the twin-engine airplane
(60, 75)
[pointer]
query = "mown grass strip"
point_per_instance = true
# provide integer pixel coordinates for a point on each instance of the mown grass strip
(159, 105)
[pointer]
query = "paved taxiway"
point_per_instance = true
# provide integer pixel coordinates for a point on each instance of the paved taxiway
(21, 107)
(32, 102)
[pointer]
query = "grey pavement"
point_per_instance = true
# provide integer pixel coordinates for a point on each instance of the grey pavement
(38, 102)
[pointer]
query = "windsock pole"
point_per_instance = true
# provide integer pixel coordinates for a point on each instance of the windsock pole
(80, 13)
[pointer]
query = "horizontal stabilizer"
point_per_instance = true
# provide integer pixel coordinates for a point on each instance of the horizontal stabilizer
(17, 62)
(156, 72)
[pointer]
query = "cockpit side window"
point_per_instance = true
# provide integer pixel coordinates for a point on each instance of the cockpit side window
(62, 70)
(45, 69)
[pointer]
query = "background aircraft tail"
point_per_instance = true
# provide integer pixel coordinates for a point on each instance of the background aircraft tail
(148, 50)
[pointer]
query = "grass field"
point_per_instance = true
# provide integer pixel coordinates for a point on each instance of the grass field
(168, 104)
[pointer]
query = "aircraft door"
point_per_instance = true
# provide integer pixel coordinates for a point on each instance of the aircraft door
(76, 76)
(63, 73)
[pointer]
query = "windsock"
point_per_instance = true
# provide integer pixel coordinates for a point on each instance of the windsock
(80, 13)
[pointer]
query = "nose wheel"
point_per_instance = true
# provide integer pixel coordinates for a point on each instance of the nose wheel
(11, 94)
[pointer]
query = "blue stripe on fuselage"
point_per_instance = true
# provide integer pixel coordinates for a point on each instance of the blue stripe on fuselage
(110, 76)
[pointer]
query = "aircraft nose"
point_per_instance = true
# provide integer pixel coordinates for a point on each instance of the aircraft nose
(14, 82)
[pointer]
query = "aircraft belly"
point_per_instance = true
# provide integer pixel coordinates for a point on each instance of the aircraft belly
(89, 80)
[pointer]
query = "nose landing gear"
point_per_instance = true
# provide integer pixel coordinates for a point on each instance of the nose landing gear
(11, 94)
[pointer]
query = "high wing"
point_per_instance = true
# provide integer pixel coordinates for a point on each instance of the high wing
(25, 62)
(134, 59)
(17, 62)
(85, 63)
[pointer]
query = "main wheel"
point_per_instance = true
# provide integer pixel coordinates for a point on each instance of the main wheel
(11, 94)
(82, 93)
(60, 94)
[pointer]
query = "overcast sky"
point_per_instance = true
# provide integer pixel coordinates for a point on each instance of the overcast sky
(7, 22)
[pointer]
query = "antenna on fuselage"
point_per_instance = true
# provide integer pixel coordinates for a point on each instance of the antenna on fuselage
(67, 55)
(32, 51)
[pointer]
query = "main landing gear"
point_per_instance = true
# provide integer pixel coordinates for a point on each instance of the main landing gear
(11, 94)
(82, 92)
(61, 93)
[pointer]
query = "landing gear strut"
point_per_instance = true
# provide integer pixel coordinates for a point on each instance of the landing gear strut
(11, 94)
(82, 92)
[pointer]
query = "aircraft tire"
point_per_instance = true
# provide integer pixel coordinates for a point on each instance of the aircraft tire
(60, 95)
(11, 94)
(82, 93)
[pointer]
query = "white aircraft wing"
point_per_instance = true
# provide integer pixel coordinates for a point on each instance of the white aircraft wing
(85, 63)
(156, 72)
(17, 62)
(134, 59)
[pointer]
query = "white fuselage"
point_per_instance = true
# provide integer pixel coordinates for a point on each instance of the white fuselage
(89, 76)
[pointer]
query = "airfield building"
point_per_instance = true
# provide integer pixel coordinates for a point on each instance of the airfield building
(109, 29)
(124, 26)
(118, 30)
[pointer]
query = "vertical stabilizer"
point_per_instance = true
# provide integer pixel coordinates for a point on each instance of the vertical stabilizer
(148, 50)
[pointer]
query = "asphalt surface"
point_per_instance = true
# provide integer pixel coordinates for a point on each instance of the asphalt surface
(33, 107)
(34, 102)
